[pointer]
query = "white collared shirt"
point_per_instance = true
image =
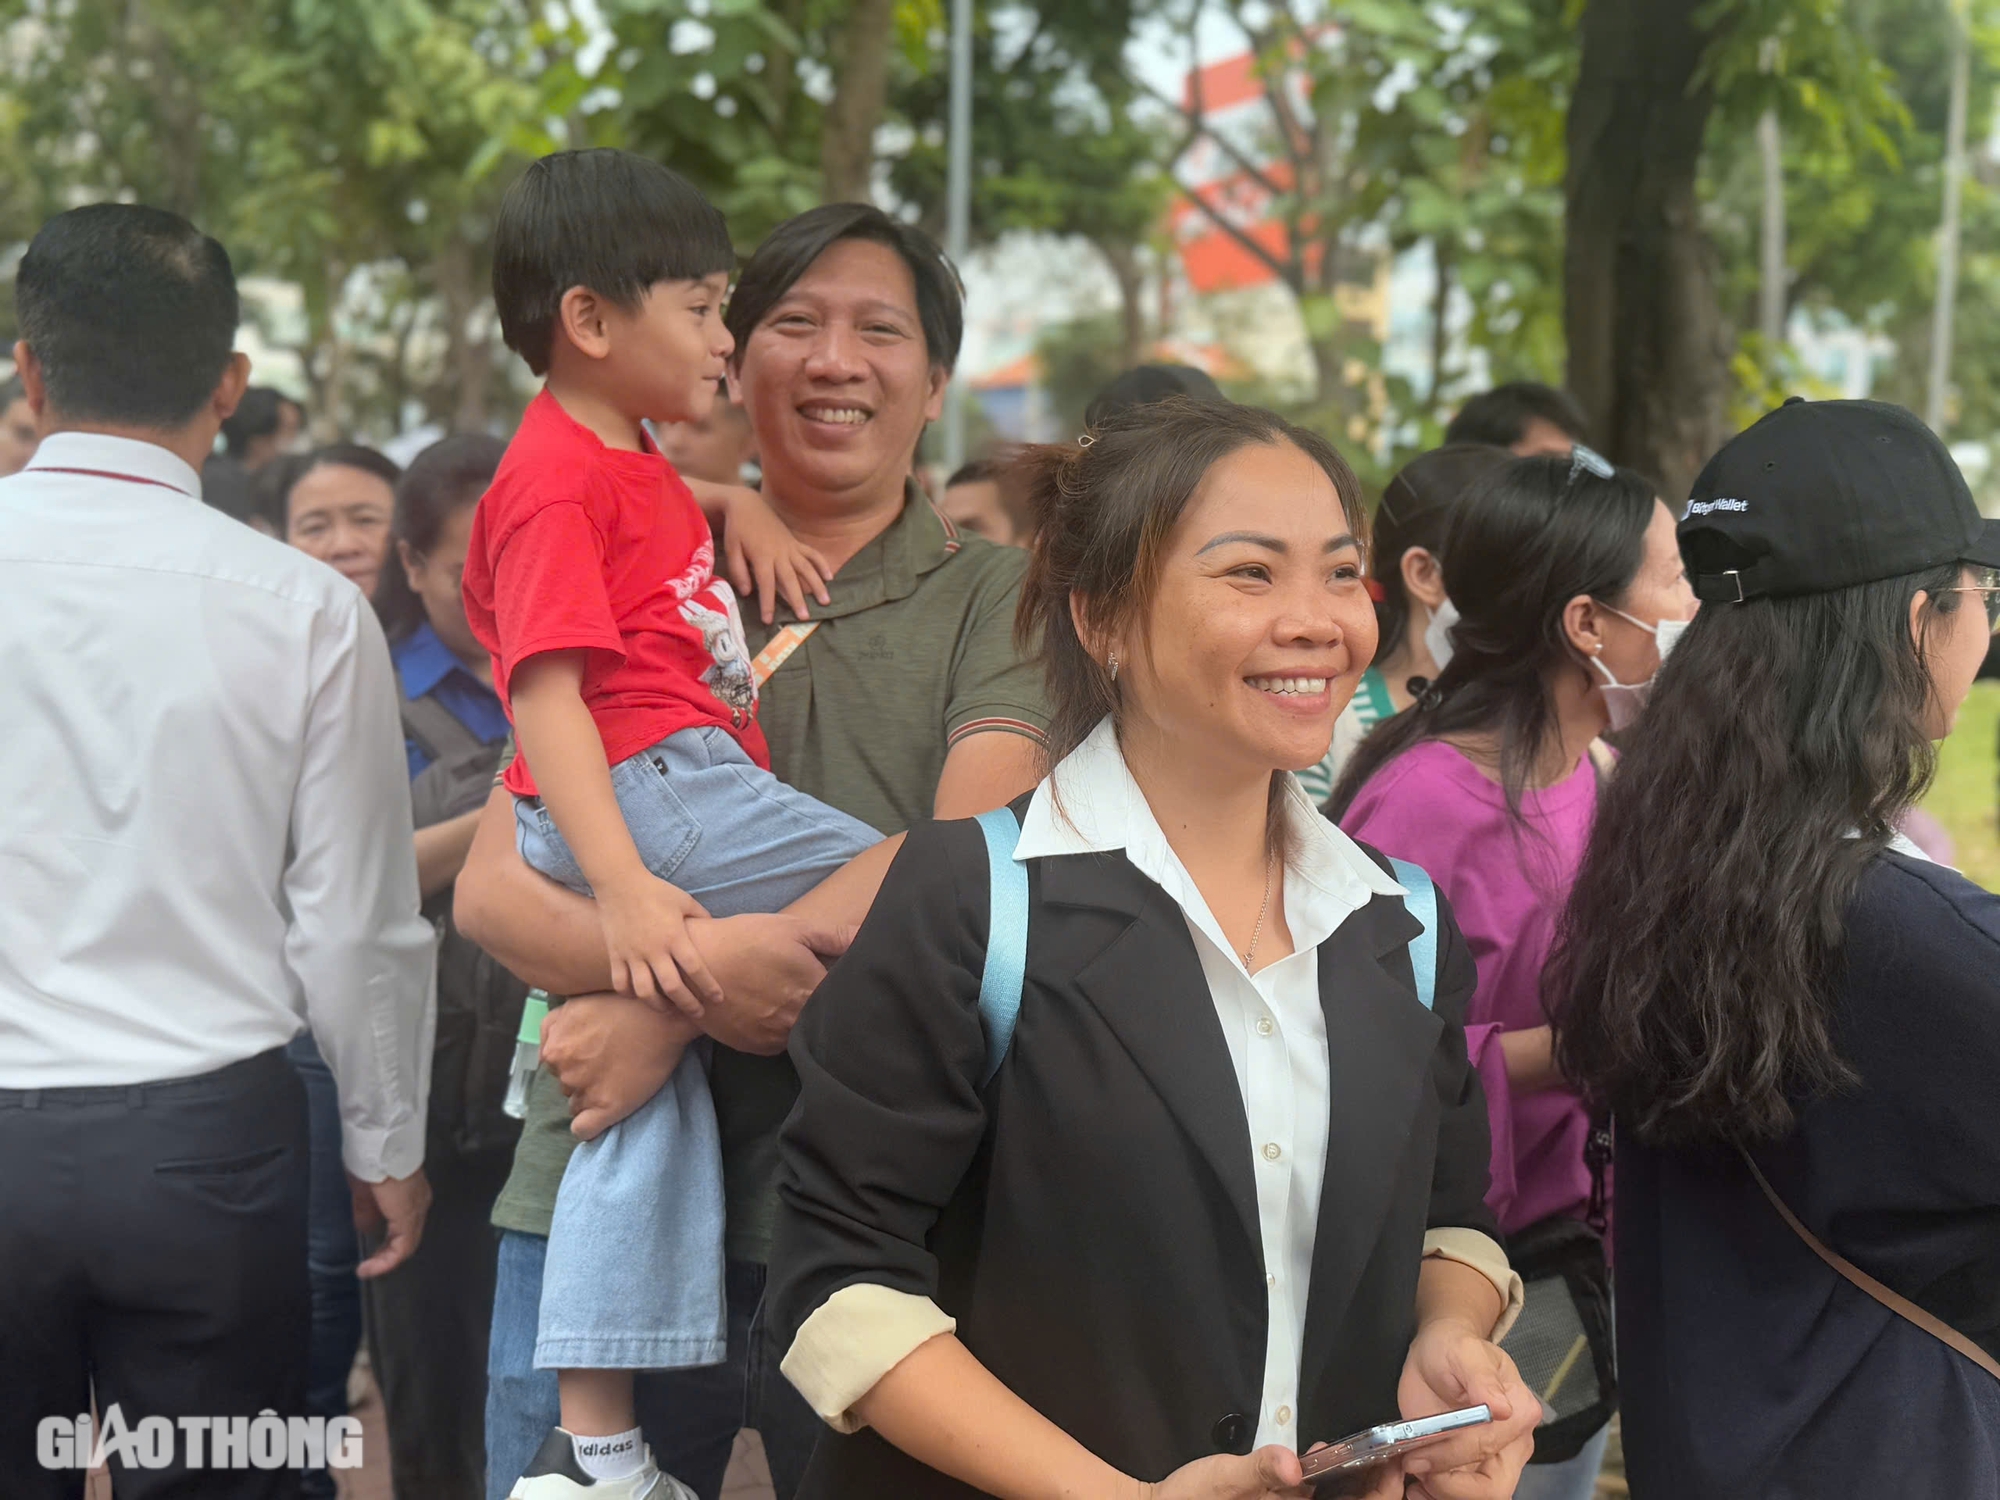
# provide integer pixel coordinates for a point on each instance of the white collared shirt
(205, 834)
(1272, 1020)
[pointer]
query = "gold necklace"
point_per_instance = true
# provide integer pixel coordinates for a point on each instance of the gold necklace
(1250, 953)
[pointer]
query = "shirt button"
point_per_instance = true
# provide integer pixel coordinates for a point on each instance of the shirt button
(1271, 1280)
(1272, 1151)
(1284, 1416)
(1265, 1026)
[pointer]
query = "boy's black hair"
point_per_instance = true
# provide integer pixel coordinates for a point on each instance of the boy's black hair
(131, 311)
(1498, 417)
(607, 220)
(789, 251)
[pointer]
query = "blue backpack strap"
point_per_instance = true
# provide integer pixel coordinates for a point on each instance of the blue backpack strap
(1006, 936)
(1422, 902)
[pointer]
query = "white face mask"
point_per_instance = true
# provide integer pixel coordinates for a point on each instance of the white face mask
(1624, 700)
(1437, 634)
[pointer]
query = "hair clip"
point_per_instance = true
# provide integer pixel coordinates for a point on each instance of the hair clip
(1085, 441)
(1586, 460)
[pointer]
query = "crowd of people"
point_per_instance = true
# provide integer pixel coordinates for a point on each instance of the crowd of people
(1276, 965)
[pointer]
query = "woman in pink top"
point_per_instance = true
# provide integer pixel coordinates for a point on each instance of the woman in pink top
(1568, 582)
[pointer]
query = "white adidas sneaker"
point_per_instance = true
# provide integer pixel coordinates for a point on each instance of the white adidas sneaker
(555, 1474)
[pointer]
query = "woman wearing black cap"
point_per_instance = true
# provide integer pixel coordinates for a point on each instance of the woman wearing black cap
(1793, 1015)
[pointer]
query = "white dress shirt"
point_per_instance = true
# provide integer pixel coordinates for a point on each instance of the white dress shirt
(205, 835)
(1275, 1029)
(1272, 1020)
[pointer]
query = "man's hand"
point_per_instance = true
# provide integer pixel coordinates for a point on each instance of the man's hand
(1451, 1364)
(764, 559)
(653, 955)
(395, 1206)
(610, 1056)
(768, 966)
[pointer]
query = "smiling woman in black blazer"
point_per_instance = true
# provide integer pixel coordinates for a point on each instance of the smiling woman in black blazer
(1224, 1193)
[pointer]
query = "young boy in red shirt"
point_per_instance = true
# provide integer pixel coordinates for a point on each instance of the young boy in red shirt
(642, 777)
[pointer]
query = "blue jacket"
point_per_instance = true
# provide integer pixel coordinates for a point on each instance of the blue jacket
(1749, 1369)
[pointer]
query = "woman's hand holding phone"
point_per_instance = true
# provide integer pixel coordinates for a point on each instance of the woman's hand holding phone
(1451, 1364)
(1268, 1474)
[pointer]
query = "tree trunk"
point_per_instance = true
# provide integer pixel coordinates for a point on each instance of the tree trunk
(861, 88)
(1648, 350)
(468, 357)
(1444, 256)
(1122, 256)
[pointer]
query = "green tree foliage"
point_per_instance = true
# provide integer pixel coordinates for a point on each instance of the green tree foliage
(1863, 160)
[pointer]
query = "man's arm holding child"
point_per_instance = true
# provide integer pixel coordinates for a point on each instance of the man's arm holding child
(549, 936)
(643, 918)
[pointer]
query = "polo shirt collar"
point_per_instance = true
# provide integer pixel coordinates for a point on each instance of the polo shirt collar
(423, 660)
(889, 568)
(101, 454)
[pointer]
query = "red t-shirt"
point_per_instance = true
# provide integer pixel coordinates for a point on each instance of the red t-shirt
(580, 546)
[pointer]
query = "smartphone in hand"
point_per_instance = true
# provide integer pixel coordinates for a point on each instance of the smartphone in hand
(1349, 1462)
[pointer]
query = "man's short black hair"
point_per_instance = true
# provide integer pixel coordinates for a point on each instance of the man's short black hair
(789, 251)
(607, 220)
(256, 415)
(131, 312)
(1500, 416)
(1144, 384)
(974, 471)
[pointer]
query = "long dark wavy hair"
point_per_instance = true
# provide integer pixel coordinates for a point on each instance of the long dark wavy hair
(1697, 962)
(1525, 540)
(1104, 511)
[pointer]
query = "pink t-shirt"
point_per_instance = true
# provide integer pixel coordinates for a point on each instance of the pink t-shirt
(1507, 885)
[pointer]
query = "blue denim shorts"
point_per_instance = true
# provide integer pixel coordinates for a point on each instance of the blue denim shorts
(634, 1276)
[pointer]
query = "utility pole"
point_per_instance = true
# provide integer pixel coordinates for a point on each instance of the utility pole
(1948, 226)
(958, 204)
(1771, 279)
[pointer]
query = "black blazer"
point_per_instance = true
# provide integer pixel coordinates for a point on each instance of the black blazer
(1090, 1219)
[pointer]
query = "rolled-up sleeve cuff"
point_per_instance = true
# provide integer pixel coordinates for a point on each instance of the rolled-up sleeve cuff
(857, 1336)
(1481, 1252)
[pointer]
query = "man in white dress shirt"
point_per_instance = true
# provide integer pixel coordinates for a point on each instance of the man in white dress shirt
(204, 846)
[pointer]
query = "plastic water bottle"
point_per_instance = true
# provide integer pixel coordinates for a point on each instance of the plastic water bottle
(527, 1054)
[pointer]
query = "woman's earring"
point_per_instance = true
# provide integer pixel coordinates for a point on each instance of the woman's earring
(1113, 665)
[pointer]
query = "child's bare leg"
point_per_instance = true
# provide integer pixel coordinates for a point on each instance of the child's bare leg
(596, 1403)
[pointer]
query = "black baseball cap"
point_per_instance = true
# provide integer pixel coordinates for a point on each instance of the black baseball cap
(1824, 495)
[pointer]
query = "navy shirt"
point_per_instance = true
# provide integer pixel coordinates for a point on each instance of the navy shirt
(425, 664)
(1748, 1368)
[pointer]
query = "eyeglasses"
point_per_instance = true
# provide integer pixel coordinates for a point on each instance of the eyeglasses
(1988, 589)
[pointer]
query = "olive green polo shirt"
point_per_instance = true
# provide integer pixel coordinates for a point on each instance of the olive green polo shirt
(914, 653)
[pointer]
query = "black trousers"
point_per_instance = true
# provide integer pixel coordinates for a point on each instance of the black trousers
(153, 1256)
(429, 1321)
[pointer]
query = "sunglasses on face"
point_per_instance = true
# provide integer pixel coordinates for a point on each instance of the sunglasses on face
(1988, 589)
(1584, 460)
